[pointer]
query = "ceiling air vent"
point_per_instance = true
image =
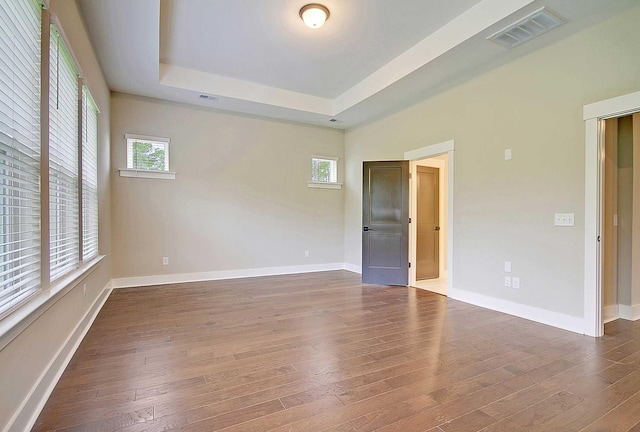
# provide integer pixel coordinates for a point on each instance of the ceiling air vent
(336, 121)
(531, 26)
(208, 97)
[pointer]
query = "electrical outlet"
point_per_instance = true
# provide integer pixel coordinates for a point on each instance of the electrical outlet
(564, 219)
(84, 290)
(515, 282)
(507, 266)
(165, 261)
(507, 154)
(507, 281)
(306, 254)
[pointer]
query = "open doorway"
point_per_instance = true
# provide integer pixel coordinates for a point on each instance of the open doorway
(441, 156)
(429, 227)
(595, 116)
(621, 218)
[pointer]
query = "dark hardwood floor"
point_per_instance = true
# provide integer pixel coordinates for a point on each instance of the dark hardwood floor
(323, 352)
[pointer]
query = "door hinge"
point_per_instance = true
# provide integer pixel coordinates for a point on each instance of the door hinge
(409, 265)
(409, 220)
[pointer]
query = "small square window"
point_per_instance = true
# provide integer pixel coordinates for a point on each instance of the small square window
(324, 172)
(147, 153)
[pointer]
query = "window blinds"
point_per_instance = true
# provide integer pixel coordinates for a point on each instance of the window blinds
(63, 158)
(89, 176)
(19, 151)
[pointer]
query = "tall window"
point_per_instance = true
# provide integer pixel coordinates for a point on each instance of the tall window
(63, 158)
(19, 151)
(89, 176)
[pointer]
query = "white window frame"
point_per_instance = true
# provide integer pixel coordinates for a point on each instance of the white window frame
(132, 171)
(325, 185)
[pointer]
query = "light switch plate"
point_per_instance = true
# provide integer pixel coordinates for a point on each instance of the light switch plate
(515, 282)
(507, 154)
(564, 219)
(507, 266)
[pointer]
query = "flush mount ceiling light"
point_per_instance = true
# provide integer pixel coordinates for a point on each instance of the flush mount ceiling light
(314, 15)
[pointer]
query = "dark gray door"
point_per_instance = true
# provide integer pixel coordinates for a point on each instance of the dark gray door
(385, 223)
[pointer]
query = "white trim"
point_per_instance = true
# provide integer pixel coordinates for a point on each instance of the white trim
(137, 281)
(30, 408)
(332, 158)
(353, 268)
(592, 292)
(610, 313)
(323, 185)
(592, 114)
(147, 138)
(614, 107)
(16, 322)
(555, 319)
(165, 175)
(430, 151)
(631, 313)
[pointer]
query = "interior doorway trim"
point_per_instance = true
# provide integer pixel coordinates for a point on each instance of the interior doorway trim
(447, 147)
(593, 114)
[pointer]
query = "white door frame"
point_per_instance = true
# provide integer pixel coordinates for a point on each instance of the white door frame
(593, 115)
(427, 152)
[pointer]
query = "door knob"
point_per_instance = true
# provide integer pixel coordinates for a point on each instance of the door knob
(365, 229)
(437, 228)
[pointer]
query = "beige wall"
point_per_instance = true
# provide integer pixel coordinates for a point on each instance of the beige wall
(635, 241)
(503, 210)
(25, 358)
(609, 212)
(240, 199)
(625, 209)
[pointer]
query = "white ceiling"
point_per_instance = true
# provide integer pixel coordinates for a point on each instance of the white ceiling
(372, 57)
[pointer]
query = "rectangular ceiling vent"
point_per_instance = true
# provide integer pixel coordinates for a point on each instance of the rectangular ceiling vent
(531, 26)
(209, 97)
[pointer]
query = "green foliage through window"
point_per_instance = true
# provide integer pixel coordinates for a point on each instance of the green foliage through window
(324, 170)
(148, 155)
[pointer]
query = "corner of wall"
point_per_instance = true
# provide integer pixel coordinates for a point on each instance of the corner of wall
(30, 408)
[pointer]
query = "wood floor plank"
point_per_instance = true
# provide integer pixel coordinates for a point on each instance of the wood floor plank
(324, 352)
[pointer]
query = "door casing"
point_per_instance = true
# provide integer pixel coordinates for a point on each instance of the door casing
(594, 115)
(447, 147)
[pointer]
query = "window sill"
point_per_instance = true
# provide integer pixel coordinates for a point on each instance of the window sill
(15, 323)
(165, 175)
(320, 185)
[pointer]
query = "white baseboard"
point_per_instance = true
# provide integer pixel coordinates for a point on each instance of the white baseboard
(224, 274)
(353, 268)
(32, 405)
(631, 313)
(555, 319)
(610, 313)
